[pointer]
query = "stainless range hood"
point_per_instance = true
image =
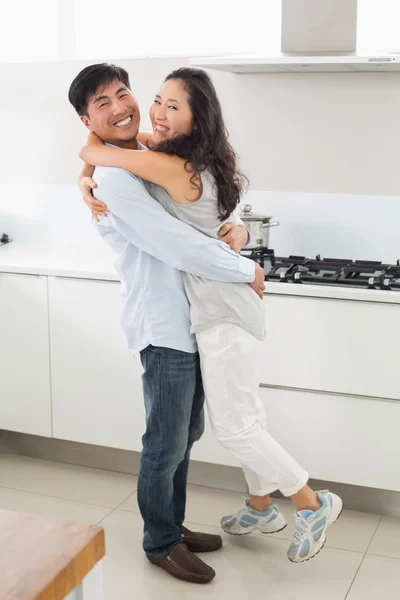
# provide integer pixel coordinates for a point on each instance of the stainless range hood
(301, 62)
(317, 36)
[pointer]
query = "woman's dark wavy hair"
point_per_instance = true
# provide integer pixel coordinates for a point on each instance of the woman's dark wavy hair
(207, 146)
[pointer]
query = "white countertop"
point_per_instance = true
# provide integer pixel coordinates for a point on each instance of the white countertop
(83, 263)
(61, 261)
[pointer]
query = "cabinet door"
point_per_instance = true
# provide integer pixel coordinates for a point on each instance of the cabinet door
(96, 382)
(24, 355)
(338, 438)
(338, 346)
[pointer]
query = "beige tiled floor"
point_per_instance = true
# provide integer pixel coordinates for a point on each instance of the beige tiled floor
(361, 560)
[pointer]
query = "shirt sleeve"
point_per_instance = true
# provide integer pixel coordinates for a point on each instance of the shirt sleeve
(110, 235)
(142, 221)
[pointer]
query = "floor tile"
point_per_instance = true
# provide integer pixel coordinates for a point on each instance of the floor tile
(207, 506)
(246, 568)
(130, 504)
(71, 482)
(353, 531)
(45, 506)
(204, 506)
(386, 541)
(378, 578)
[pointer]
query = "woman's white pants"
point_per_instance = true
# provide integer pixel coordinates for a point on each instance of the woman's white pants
(229, 358)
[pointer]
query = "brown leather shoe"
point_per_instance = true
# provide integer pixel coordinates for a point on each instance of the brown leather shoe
(201, 542)
(182, 564)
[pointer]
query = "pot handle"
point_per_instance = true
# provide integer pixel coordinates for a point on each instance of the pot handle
(270, 224)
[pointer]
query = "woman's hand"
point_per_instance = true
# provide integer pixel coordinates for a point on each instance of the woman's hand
(258, 284)
(233, 235)
(96, 207)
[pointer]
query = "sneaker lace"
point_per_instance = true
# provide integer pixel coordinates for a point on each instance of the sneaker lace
(305, 528)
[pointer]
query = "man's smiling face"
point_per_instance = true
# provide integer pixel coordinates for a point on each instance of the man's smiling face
(113, 114)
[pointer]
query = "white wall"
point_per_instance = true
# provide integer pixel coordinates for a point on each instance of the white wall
(357, 227)
(310, 132)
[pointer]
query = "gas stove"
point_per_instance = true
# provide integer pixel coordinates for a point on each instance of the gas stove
(372, 275)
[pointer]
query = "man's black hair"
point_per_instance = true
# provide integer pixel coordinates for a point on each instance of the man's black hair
(90, 79)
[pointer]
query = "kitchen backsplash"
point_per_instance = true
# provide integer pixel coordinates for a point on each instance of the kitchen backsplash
(334, 225)
(359, 227)
(47, 214)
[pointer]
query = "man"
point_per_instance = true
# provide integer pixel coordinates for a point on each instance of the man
(153, 249)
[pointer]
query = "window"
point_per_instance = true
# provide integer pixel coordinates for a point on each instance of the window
(159, 28)
(378, 25)
(40, 30)
(29, 30)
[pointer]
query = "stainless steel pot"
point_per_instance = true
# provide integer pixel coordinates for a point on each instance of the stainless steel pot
(258, 227)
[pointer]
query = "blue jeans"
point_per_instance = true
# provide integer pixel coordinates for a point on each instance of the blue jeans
(174, 399)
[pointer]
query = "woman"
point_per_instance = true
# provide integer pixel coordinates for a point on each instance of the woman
(193, 173)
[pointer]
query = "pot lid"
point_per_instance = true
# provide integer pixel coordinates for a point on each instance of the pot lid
(248, 215)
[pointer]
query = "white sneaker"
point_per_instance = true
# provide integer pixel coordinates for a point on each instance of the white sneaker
(248, 519)
(310, 527)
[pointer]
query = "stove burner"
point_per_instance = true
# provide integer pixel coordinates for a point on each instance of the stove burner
(390, 280)
(260, 255)
(365, 274)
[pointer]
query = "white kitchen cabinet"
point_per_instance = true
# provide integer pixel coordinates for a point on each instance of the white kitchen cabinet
(338, 438)
(341, 346)
(25, 404)
(96, 381)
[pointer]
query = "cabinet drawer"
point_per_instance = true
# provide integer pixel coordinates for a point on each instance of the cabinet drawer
(332, 345)
(337, 438)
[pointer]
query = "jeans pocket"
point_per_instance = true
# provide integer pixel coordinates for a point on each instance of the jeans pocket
(181, 366)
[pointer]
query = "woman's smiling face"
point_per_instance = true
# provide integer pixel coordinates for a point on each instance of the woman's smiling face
(170, 112)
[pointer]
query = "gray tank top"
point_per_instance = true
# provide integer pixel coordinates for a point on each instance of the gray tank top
(213, 302)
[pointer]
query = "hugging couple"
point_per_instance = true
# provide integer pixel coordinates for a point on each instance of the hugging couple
(166, 202)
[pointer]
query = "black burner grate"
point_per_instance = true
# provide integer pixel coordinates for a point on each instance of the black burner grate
(327, 271)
